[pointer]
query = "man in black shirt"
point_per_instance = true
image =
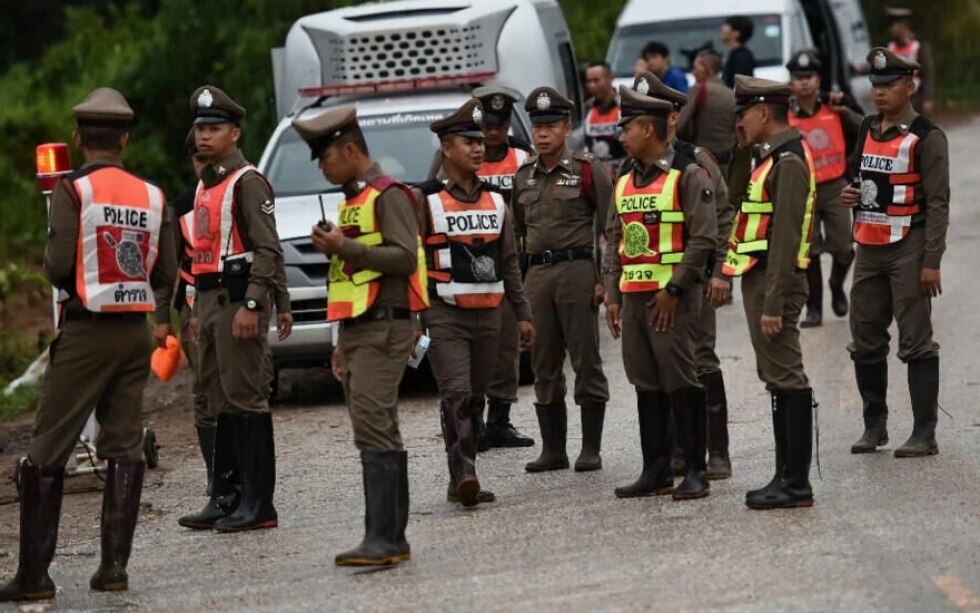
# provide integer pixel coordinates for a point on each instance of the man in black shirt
(735, 34)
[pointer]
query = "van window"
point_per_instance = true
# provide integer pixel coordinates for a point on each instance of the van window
(573, 89)
(628, 42)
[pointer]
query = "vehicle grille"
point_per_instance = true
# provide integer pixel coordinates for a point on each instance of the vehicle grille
(309, 311)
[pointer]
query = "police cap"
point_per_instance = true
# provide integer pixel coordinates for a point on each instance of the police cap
(466, 121)
(211, 105)
(649, 84)
(633, 104)
(546, 105)
(498, 103)
(804, 63)
(887, 66)
(103, 107)
(322, 130)
(750, 91)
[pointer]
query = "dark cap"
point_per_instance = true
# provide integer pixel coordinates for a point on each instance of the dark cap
(750, 91)
(320, 131)
(466, 121)
(887, 66)
(211, 105)
(498, 103)
(546, 105)
(103, 107)
(190, 143)
(649, 84)
(898, 12)
(805, 62)
(633, 104)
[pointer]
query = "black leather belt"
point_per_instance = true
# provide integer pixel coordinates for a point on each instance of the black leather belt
(85, 315)
(564, 255)
(207, 281)
(377, 314)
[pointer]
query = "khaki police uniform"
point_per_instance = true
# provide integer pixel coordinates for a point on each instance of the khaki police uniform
(556, 212)
(709, 119)
(886, 284)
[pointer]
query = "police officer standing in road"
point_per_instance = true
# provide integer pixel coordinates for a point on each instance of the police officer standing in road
(664, 230)
(769, 249)
(900, 221)
(472, 264)
(906, 44)
(830, 129)
(602, 115)
(560, 199)
(110, 248)
(237, 259)
(709, 121)
(377, 281)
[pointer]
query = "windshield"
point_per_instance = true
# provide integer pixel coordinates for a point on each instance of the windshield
(689, 34)
(401, 143)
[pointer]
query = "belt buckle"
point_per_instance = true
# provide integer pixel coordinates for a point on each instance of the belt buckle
(547, 257)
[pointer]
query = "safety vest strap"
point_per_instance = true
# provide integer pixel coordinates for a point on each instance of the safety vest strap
(761, 208)
(752, 246)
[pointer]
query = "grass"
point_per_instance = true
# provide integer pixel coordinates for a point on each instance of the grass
(17, 351)
(24, 399)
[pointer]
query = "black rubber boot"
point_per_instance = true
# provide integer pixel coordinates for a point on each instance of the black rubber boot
(794, 488)
(458, 431)
(677, 465)
(205, 440)
(385, 512)
(41, 490)
(872, 382)
(719, 462)
(692, 430)
(477, 404)
(593, 418)
(838, 297)
(656, 479)
(257, 465)
(814, 302)
(120, 510)
(779, 438)
(924, 389)
(499, 431)
(225, 484)
(553, 421)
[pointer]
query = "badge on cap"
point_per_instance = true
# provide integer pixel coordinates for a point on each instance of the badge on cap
(804, 60)
(643, 87)
(477, 115)
(881, 62)
(497, 103)
(543, 102)
(205, 99)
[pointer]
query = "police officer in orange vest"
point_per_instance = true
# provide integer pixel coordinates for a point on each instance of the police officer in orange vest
(661, 233)
(901, 212)
(377, 284)
(906, 44)
(110, 249)
(472, 263)
(237, 259)
(602, 115)
(769, 249)
(830, 127)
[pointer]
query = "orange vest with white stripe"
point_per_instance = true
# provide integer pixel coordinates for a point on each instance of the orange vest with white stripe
(824, 132)
(501, 173)
(120, 216)
(652, 244)
(891, 185)
(602, 132)
(186, 222)
(463, 247)
(215, 232)
(909, 49)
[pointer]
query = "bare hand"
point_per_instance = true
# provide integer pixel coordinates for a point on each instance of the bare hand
(850, 197)
(613, 320)
(329, 241)
(337, 364)
(719, 292)
(599, 296)
(835, 100)
(193, 329)
(162, 331)
(662, 312)
(245, 325)
(931, 281)
(284, 325)
(527, 335)
(771, 326)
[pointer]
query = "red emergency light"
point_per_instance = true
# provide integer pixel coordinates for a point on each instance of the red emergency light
(403, 85)
(53, 162)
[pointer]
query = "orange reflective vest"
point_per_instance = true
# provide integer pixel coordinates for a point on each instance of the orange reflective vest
(652, 244)
(602, 130)
(501, 173)
(352, 291)
(187, 231)
(891, 185)
(909, 49)
(753, 222)
(463, 245)
(118, 240)
(824, 132)
(215, 233)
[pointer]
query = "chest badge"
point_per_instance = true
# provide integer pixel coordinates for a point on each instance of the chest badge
(568, 180)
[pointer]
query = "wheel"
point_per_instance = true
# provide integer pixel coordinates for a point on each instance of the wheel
(151, 451)
(526, 376)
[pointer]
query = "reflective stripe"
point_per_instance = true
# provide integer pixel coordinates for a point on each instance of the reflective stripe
(891, 190)
(215, 233)
(501, 173)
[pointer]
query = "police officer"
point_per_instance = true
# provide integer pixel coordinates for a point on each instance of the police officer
(664, 229)
(602, 115)
(769, 249)
(830, 129)
(377, 281)
(906, 44)
(472, 264)
(110, 249)
(237, 259)
(900, 220)
(560, 199)
(716, 292)
(709, 121)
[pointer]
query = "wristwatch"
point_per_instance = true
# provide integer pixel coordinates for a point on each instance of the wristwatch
(673, 289)
(251, 304)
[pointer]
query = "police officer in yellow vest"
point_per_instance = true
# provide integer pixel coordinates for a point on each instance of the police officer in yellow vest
(901, 213)
(110, 248)
(769, 249)
(472, 263)
(237, 261)
(377, 281)
(661, 233)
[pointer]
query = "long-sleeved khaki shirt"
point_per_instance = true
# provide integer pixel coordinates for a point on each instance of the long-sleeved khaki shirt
(713, 124)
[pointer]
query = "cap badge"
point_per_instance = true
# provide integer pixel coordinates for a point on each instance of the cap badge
(804, 60)
(205, 99)
(497, 103)
(543, 101)
(643, 87)
(881, 62)
(477, 115)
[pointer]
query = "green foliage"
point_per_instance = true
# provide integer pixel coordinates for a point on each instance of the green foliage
(592, 24)
(13, 277)
(23, 399)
